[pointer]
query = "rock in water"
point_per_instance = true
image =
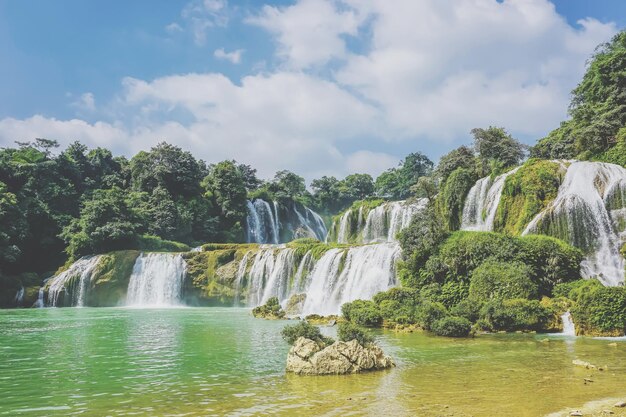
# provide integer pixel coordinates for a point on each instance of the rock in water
(307, 357)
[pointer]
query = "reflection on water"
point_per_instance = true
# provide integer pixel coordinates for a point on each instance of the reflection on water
(198, 362)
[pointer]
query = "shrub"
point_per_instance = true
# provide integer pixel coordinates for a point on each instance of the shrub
(516, 314)
(271, 309)
(468, 309)
(601, 311)
(494, 279)
(452, 326)
(428, 313)
(156, 244)
(574, 289)
(349, 331)
(362, 313)
(306, 330)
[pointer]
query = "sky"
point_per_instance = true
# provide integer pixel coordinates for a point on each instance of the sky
(319, 87)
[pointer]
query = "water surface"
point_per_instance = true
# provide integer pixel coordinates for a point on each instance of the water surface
(211, 361)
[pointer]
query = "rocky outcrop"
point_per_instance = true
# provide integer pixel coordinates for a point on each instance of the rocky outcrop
(307, 357)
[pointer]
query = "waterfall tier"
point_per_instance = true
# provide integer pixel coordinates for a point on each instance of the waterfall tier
(482, 202)
(157, 280)
(589, 212)
(339, 275)
(568, 324)
(70, 287)
(380, 224)
(277, 223)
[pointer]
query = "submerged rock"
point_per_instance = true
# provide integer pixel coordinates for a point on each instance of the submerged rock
(307, 357)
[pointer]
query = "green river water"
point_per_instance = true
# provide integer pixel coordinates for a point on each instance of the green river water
(221, 361)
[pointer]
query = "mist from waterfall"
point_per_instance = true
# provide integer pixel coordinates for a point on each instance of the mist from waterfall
(157, 280)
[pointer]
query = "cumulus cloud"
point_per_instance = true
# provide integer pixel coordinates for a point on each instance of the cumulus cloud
(234, 56)
(426, 71)
(310, 32)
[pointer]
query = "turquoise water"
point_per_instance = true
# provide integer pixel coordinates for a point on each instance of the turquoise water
(221, 361)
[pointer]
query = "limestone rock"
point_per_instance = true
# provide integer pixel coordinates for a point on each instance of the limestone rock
(583, 364)
(620, 404)
(295, 304)
(307, 357)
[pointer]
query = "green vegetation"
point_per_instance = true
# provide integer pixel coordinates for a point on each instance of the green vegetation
(303, 329)
(597, 109)
(526, 193)
(362, 313)
(348, 331)
(110, 278)
(452, 326)
(270, 310)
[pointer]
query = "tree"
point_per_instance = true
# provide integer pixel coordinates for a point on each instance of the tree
(106, 223)
(461, 157)
(286, 184)
(326, 194)
(226, 184)
(497, 149)
(249, 177)
(357, 187)
(396, 183)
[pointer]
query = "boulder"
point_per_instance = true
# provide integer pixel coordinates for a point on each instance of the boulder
(307, 357)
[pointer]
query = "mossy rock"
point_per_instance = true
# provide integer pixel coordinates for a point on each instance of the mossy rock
(526, 193)
(109, 282)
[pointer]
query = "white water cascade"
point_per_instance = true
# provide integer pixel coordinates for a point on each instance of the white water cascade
(74, 282)
(19, 296)
(482, 202)
(382, 223)
(265, 226)
(590, 212)
(340, 275)
(568, 324)
(156, 280)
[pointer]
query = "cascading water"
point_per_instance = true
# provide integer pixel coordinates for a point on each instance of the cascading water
(156, 280)
(382, 223)
(568, 324)
(241, 273)
(72, 282)
(345, 275)
(264, 224)
(339, 276)
(482, 202)
(19, 296)
(587, 213)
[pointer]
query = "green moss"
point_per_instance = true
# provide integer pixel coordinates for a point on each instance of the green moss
(353, 221)
(150, 243)
(110, 278)
(526, 193)
(452, 197)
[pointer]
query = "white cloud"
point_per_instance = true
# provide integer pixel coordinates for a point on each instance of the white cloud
(86, 102)
(173, 28)
(429, 72)
(310, 32)
(202, 15)
(234, 56)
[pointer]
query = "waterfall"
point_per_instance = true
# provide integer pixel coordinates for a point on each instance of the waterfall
(156, 280)
(340, 275)
(73, 283)
(482, 202)
(19, 296)
(241, 273)
(40, 303)
(568, 324)
(344, 275)
(381, 224)
(264, 222)
(587, 212)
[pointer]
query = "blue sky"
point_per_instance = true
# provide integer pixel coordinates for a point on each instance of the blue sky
(316, 86)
